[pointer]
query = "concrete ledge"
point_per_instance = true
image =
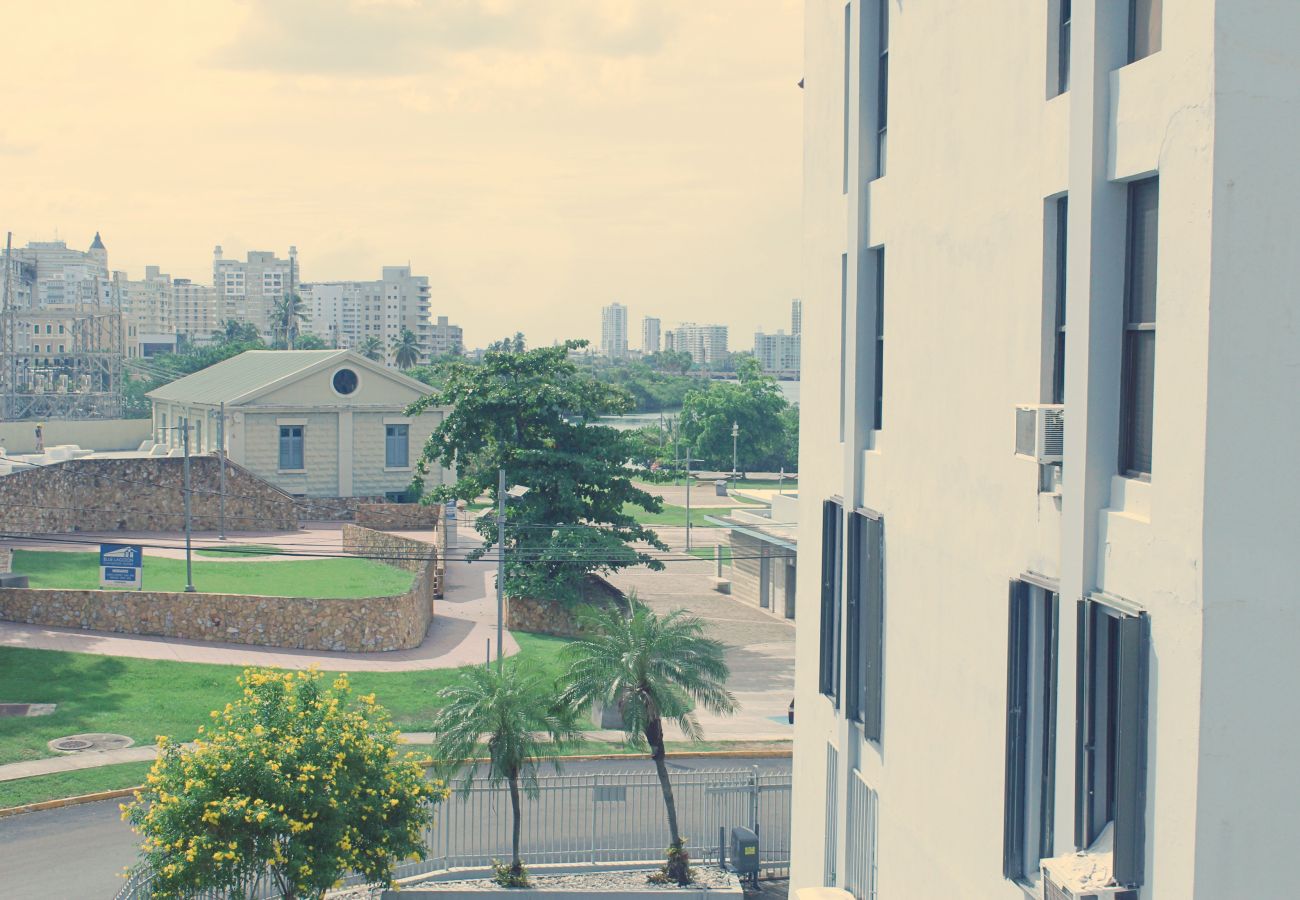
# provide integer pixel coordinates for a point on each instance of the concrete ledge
(67, 801)
(721, 585)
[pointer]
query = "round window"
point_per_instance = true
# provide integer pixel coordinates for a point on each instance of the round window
(345, 381)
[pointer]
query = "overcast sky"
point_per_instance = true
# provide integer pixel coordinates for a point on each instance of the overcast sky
(535, 158)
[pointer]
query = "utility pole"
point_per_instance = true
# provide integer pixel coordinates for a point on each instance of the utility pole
(688, 498)
(501, 559)
(189, 565)
(221, 456)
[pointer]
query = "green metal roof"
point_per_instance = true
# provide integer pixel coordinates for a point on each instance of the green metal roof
(231, 379)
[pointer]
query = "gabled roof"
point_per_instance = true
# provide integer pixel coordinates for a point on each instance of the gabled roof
(250, 371)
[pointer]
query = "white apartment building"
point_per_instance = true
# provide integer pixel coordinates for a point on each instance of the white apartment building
(650, 339)
(347, 313)
(250, 289)
(796, 317)
(59, 275)
(1065, 229)
(196, 310)
(613, 331)
(777, 354)
(446, 339)
(707, 344)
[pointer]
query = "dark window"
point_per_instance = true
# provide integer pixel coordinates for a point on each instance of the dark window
(882, 89)
(1110, 767)
(1027, 834)
(1143, 28)
(1058, 334)
(1063, 49)
(866, 622)
(397, 446)
(832, 592)
(345, 381)
(877, 418)
(291, 447)
(1137, 382)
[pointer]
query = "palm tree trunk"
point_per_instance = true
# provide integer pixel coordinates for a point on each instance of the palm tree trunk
(678, 868)
(516, 864)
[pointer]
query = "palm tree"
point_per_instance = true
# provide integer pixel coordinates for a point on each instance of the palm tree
(290, 312)
(651, 668)
(372, 348)
(514, 711)
(234, 331)
(405, 349)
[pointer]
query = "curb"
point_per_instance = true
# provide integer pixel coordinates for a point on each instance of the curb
(774, 753)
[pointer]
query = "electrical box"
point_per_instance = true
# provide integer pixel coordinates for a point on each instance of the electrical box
(744, 852)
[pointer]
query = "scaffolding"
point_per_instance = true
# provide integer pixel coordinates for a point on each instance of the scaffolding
(83, 381)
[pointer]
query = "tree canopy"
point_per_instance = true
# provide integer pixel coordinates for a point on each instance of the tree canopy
(533, 414)
(767, 426)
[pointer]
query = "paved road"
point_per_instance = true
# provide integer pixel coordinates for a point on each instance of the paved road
(79, 852)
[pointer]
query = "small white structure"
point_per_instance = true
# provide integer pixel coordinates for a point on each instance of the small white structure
(316, 423)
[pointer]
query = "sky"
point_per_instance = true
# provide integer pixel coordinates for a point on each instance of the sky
(537, 159)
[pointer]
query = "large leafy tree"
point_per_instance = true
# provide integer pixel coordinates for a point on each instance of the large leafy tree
(296, 778)
(533, 414)
(754, 403)
(652, 668)
(517, 714)
(405, 349)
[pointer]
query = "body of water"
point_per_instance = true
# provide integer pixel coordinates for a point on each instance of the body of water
(638, 420)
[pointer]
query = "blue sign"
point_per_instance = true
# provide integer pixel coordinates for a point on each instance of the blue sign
(120, 565)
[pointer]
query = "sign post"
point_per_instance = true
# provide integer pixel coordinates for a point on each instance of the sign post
(120, 565)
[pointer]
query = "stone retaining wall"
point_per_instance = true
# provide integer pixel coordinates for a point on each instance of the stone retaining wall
(301, 623)
(396, 550)
(6, 560)
(397, 515)
(555, 617)
(139, 494)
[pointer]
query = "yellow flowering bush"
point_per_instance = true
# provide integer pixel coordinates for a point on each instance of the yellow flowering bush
(296, 777)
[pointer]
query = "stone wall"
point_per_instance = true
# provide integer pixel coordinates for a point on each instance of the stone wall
(139, 494)
(6, 560)
(301, 623)
(395, 550)
(397, 515)
(555, 617)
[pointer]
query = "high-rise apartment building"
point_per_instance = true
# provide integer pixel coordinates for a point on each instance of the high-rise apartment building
(796, 317)
(707, 344)
(650, 341)
(446, 339)
(250, 289)
(613, 331)
(778, 354)
(196, 310)
(61, 276)
(1047, 451)
(346, 313)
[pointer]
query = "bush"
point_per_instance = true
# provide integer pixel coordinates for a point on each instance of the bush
(294, 778)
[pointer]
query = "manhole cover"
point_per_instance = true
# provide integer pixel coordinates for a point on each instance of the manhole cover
(71, 744)
(81, 743)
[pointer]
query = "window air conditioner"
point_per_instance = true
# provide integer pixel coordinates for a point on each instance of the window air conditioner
(1082, 876)
(1040, 432)
(1055, 891)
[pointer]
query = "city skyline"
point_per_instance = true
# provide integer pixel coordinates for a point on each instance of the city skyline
(694, 106)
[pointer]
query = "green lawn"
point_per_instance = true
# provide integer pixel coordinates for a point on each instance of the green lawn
(676, 515)
(144, 698)
(344, 578)
(72, 784)
(707, 553)
(790, 485)
(238, 550)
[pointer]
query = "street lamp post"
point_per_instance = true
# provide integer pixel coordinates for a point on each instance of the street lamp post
(189, 569)
(502, 495)
(735, 435)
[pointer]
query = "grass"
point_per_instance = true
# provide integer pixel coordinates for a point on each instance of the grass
(676, 515)
(238, 550)
(72, 784)
(144, 698)
(707, 553)
(789, 484)
(343, 578)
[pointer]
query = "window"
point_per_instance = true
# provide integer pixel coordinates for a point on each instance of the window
(877, 418)
(844, 337)
(291, 447)
(882, 88)
(1110, 765)
(397, 446)
(345, 381)
(1143, 28)
(1063, 49)
(832, 591)
(1058, 335)
(1137, 379)
(866, 621)
(1027, 833)
(832, 838)
(860, 833)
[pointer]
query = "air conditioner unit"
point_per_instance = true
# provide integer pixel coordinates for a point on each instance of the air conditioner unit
(1081, 876)
(1053, 890)
(1040, 432)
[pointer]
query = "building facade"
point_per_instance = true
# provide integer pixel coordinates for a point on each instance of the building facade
(650, 335)
(249, 289)
(446, 339)
(347, 313)
(778, 354)
(315, 423)
(796, 317)
(197, 312)
(1046, 450)
(707, 344)
(613, 331)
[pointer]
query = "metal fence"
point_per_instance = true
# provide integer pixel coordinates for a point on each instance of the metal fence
(582, 819)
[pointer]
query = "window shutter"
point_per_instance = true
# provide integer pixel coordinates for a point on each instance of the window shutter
(1131, 751)
(830, 612)
(1013, 825)
(1082, 757)
(873, 627)
(857, 651)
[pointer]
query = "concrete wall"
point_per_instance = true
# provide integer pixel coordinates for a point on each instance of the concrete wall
(141, 494)
(89, 434)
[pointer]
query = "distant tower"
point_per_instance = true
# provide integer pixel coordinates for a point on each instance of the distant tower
(796, 317)
(99, 252)
(216, 252)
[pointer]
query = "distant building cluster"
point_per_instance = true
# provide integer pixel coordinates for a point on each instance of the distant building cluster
(48, 287)
(707, 344)
(778, 354)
